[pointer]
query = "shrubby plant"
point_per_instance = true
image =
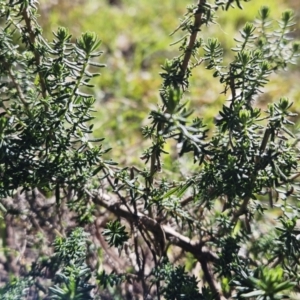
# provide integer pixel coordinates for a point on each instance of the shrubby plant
(90, 229)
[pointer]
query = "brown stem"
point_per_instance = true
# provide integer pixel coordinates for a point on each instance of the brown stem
(11, 74)
(152, 165)
(187, 200)
(164, 232)
(37, 56)
(115, 262)
(160, 232)
(17, 86)
(154, 160)
(232, 88)
(290, 179)
(210, 280)
(243, 208)
(197, 24)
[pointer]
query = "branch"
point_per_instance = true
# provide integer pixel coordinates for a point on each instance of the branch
(37, 56)
(197, 24)
(155, 160)
(16, 85)
(210, 280)
(243, 208)
(160, 232)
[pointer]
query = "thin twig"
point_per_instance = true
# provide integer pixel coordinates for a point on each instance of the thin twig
(197, 24)
(16, 85)
(37, 56)
(243, 208)
(154, 160)
(117, 192)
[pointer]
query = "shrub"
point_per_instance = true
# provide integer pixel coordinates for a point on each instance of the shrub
(226, 230)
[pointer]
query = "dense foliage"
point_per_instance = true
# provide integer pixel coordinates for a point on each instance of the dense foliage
(78, 226)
